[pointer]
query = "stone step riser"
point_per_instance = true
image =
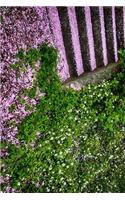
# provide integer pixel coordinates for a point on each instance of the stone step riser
(87, 37)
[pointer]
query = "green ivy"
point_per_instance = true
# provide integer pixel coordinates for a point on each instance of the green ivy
(73, 141)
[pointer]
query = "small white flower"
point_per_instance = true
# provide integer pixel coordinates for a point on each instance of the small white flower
(111, 156)
(38, 134)
(50, 168)
(64, 183)
(18, 183)
(76, 118)
(48, 190)
(37, 184)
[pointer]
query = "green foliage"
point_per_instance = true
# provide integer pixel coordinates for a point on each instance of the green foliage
(1, 19)
(31, 93)
(74, 141)
(20, 54)
(122, 56)
(12, 107)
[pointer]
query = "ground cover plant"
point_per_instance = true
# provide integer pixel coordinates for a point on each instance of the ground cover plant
(71, 141)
